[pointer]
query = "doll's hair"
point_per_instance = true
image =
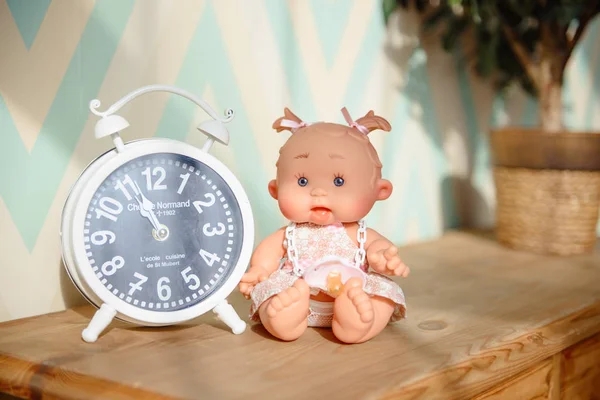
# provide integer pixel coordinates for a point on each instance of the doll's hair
(358, 130)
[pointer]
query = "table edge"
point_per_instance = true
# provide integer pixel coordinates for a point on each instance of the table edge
(575, 327)
(28, 379)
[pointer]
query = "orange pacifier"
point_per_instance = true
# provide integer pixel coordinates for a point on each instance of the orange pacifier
(331, 273)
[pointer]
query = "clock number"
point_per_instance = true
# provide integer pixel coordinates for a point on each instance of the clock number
(110, 267)
(138, 285)
(105, 236)
(185, 178)
(121, 185)
(156, 171)
(191, 277)
(164, 291)
(199, 203)
(209, 258)
(109, 208)
(213, 231)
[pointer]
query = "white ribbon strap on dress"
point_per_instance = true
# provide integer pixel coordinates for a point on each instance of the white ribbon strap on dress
(361, 236)
(292, 252)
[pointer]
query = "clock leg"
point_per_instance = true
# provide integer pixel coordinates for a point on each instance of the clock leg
(99, 322)
(226, 313)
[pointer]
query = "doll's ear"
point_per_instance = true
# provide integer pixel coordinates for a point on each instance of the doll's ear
(373, 122)
(273, 189)
(287, 115)
(384, 189)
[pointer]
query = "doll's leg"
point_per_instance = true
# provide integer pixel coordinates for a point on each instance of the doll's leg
(285, 315)
(358, 317)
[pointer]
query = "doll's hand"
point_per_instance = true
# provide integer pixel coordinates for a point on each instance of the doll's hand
(387, 261)
(252, 278)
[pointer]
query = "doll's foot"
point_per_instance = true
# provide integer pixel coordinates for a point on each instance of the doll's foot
(285, 315)
(352, 313)
(358, 317)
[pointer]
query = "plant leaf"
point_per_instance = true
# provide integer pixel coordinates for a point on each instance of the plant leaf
(436, 17)
(388, 7)
(455, 28)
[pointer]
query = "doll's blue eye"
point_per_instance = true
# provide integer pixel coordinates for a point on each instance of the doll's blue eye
(338, 181)
(303, 181)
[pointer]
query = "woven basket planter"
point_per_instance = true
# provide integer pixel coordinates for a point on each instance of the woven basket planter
(547, 211)
(547, 190)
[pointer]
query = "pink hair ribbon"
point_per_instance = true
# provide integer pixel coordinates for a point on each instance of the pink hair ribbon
(293, 124)
(352, 123)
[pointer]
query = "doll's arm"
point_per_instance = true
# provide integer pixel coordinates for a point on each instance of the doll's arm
(269, 252)
(265, 260)
(382, 255)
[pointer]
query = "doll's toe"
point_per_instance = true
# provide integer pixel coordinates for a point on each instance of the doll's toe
(363, 305)
(299, 290)
(288, 298)
(353, 283)
(274, 307)
(284, 298)
(367, 315)
(360, 300)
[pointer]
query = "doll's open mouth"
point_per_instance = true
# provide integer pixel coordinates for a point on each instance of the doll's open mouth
(320, 215)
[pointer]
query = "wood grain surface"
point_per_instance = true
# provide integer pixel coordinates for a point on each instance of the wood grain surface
(479, 314)
(581, 371)
(535, 383)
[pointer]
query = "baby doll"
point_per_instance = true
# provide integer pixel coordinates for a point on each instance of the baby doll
(315, 272)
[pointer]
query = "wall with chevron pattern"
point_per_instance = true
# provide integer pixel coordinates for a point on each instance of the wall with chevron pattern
(256, 57)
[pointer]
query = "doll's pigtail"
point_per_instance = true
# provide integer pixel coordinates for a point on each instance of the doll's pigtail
(288, 122)
(368, 123)
(373, 122)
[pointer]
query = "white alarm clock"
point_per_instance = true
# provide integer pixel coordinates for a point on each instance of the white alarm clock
(157, 231)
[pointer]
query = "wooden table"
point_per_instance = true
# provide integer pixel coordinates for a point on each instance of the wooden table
(484, 322)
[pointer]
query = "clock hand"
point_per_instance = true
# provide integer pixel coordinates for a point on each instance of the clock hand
(145, 213)
(155, 220)
(160, 232)
(146, 208)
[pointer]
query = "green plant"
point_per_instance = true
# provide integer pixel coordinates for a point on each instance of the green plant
(525, 41)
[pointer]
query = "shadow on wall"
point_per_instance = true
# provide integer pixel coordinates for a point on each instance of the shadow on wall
(470, 206)
(426, 72)
(415, 104)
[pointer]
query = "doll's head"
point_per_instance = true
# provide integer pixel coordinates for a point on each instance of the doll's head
(328, 173)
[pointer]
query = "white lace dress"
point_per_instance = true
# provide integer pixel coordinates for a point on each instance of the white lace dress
(314, 243)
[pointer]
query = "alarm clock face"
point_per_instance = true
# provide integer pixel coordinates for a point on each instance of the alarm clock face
(163, 231)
